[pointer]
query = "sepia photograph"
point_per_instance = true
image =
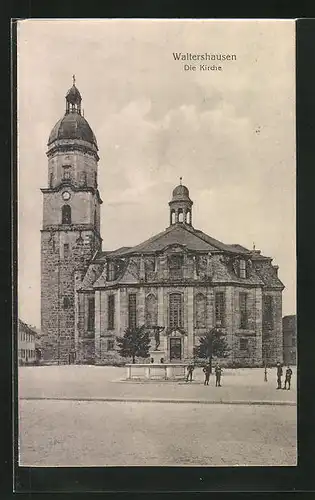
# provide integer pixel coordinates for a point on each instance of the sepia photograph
(156, 171)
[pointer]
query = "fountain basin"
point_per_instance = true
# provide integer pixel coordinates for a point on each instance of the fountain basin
(156, 371)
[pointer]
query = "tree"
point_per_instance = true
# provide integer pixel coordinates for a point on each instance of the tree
(213, 343)
(134, 343)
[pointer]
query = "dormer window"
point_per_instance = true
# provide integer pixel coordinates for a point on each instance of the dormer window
(242, 268)
(111, 271)
(66, 176)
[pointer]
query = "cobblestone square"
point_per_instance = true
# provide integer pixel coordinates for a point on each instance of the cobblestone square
(83, 416)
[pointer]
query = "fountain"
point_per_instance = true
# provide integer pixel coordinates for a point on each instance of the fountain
(157, 369)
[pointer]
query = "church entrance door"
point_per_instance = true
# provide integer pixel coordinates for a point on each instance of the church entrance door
(175, 349)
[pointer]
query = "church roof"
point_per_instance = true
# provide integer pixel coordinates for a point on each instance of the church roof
(178, 234)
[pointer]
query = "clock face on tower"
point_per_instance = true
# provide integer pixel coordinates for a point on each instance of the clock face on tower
(66, 196)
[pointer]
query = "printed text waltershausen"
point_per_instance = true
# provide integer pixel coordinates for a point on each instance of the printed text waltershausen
(205, 56)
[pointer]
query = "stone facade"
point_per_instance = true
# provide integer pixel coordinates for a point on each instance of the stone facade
(289, 340)
(181, 281)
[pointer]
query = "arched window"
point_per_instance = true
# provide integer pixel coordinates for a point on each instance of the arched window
(188, 217)
(173, 217)
(66, 214)
(175, 310)
(151, 313)
(200, 310)
(180, 215)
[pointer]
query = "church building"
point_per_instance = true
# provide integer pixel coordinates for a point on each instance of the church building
(180, 282)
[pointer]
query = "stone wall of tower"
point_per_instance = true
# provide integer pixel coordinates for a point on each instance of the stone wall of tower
(83, 165)
(58, 284)
(82, 203)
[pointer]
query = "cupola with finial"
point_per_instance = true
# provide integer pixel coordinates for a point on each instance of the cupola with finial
(73, 99)
(181, 205)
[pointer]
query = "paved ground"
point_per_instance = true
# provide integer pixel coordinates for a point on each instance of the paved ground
(67, 433)
(106, 382)
(62, 432)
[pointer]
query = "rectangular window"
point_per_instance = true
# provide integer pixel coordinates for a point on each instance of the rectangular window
(267, 312)
(242, 268)
(111, 312)
(66, 250)
(243, 344)
(219, 309)
(293, 342)
(91, 314)
(132, 310)
(175, 264)
(175, 310)
(66, 173)
(110, 345)
(243, 310)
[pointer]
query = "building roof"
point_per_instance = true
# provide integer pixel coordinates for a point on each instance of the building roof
(179, 234)
(26, 329)
(72, 126)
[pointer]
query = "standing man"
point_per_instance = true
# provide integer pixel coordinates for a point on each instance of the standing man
(218, 373)
(279, 374)
(288, 375)
(190, 369)
(207, 371)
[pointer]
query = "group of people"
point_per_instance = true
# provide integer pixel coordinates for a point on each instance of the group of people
(288, 376)
(207, 372)
(218, 374)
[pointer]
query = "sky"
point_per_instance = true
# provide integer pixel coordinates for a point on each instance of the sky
(229, 134)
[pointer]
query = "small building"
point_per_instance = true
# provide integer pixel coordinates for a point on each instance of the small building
(289, 339)
(26, 344)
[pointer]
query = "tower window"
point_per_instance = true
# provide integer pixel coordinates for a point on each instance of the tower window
(219, 309)
(180, 215)
(95, 218)
(51, 179)
(91, 314)
(243, 310)
(66, 302)
(175, 310)
(66, 214)
(132, 310)
(175, 264)
(188, 217)
(66, 176)
(172, 216)
(111, 312)
(243, 344)
(66, 250)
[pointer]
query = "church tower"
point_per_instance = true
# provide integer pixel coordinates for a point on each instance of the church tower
(70, 233)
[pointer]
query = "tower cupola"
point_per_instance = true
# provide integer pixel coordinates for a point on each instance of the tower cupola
(73, 99)
(180, 205)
